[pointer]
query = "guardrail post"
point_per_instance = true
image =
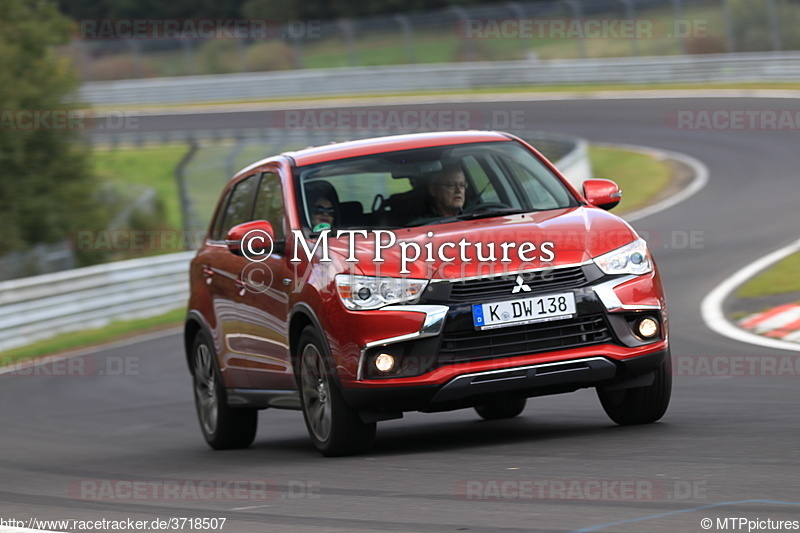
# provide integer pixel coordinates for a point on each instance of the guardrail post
(230, 159)
(462, 23)
(519, 14)
(188, 55)
(678, 15)
(577, 14)
(136, 50)
(346, 27)
(297, 47)
(186, 202)
(774, 27)
(630, 14)
(408, 37)
(241, 51)
(730, 45)
(86, 58)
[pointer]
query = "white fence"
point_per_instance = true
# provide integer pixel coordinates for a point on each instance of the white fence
(39, 307)
(746, 67)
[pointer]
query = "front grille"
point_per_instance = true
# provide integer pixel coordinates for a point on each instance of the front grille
(487, 289)
(463, 345)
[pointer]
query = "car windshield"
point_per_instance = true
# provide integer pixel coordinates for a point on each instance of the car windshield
(428, 186)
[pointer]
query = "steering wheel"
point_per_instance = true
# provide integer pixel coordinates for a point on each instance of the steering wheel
(486, 205)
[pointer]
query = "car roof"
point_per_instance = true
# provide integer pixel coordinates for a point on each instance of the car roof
(344, 150)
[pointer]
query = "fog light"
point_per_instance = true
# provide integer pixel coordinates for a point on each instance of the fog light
(384, 362)
(647, 328)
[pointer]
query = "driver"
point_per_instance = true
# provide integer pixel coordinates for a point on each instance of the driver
(447, 190)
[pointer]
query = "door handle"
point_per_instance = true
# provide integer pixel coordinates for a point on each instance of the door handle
(241, 285)
(208, 273)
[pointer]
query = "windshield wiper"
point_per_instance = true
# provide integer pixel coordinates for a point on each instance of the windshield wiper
(431, 221)
(491, 212)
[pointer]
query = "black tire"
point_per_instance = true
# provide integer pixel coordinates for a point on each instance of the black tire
(640, 405)
(335, 428)
(224, 427)
(506, 408)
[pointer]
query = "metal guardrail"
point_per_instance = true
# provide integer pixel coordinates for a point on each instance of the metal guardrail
(41, 307)
(745, 67)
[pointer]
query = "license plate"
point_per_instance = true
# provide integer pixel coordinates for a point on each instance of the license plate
(524, 311)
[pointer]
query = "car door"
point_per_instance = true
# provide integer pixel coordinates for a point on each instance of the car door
(222, 270)
(266, 301)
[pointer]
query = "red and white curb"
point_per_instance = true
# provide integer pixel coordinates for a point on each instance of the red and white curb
(782, 322)
(711, 307)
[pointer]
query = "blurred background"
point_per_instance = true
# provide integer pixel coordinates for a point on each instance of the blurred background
(309, 34)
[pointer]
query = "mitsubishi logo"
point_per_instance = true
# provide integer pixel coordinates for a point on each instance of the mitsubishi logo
(520, 286)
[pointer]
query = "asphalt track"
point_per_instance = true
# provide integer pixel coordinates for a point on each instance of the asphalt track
(727, 447)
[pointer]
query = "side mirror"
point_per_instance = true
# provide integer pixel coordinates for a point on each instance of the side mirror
(604, 194)
(251, 238)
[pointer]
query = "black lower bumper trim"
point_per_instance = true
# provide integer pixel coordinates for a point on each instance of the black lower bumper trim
(525, 381)
(578, 372)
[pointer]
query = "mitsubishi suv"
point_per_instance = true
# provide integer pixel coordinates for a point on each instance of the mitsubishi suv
(427, 272)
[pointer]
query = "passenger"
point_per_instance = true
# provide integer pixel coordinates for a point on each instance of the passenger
(322, 205)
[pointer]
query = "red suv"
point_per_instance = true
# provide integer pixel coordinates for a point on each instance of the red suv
(424, 272)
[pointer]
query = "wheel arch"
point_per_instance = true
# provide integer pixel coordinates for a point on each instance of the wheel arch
(193, 325)
(302, 316)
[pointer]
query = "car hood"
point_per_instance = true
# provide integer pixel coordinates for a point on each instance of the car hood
(550, 239)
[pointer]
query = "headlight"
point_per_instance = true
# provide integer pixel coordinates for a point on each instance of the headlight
(632, 258)
(365, 292)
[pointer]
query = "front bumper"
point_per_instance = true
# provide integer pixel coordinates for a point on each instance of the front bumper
(608, 309)
(480, 387)
(445, 361)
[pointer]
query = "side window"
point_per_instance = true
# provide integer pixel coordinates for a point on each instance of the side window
(216, 226)
(269, 203)
(483, 185)
(238, 209)
(539, 196)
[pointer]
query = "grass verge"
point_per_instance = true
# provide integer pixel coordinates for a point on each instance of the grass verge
(145, 167)
(640, 176)
(781, 278)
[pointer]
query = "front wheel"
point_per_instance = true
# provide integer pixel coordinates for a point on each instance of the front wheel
(506, 408)
(223, 427)
(335, 428)
(640, 405)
